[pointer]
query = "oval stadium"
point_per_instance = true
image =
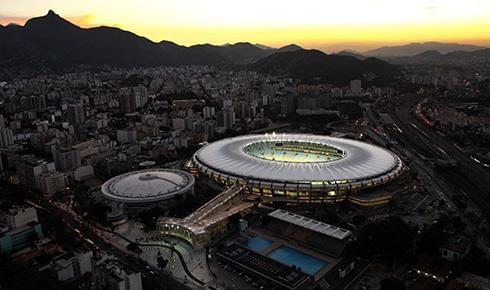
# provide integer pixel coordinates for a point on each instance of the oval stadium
(302, 167)
(147, 187)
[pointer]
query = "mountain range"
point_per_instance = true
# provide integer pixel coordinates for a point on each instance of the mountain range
(53, 43)
(314, 65)
(413, 49)
(451, 58)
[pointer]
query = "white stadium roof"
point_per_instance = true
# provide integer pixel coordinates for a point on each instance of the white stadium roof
(361, 161)
(310, 224)
(150, 185)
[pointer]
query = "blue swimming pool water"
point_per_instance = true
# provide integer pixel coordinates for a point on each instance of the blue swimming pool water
(290, 256)
(256, 243)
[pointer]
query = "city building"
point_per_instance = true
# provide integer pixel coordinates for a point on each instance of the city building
(141, 92)
(226, 118)
(110, 274)
(455, 248)
(75, 114)
(178, 123)
(355, 87)
(30, 168)
(21, 229)
(20, 217)
(144, 189)
(69, 266)
(66, 159)
(262, 267)
(6, 137)
(183, 104)
(322, 237)
(293, 252)
(288, 104)
(131, 99)
(208, 112)
(127, 136)
(306, 102)
(18, 239)
(52, 182)
(83, 172)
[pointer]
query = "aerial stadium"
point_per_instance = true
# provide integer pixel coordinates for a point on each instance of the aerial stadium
(297, 167)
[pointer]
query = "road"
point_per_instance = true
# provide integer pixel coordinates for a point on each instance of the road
(415, 143)
(153, 278)
(468, 176)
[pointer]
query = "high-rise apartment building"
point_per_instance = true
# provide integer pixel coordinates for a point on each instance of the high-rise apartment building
(52, 182)
(6, 137)
(66, 159)
(76, 114)
(355, 87)
(30, 168)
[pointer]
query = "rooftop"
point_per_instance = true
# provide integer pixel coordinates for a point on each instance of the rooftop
(311, 224)
(350, 161)
(147, 185)
(263, 266)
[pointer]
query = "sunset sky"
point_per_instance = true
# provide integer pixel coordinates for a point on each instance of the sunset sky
(323, 24)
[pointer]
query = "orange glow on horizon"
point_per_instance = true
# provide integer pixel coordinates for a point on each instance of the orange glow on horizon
(325, 25)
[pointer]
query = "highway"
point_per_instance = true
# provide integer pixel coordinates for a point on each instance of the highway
(468, 176)
(415, 144)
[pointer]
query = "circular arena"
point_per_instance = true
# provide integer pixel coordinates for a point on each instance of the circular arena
(147, 187)
(305, 167)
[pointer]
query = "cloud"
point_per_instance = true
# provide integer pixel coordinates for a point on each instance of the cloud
(5, 20)
(89, 20)
(431, 9)
(86, 20)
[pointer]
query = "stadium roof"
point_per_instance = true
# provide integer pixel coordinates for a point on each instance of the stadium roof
(361, 161)
(147, 185)
(311, 224)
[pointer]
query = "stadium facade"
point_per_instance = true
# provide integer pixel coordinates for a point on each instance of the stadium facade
(139, 190)
(297, 167)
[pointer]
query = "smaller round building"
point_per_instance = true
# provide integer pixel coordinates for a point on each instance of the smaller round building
(139, 190)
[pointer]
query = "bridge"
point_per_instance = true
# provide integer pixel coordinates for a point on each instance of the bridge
(209, 220)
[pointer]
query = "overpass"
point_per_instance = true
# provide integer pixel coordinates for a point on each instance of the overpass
(209, 220)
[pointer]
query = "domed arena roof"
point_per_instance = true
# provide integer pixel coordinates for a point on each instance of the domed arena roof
(149, 185)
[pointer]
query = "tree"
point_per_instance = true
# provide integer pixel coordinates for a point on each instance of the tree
(98, 212)
(32, 238)
(389, 239)
(162, 263)
(17, 276)
(150, 216)
(358, 219)
(392, 283)
(134, 248)
(431, 239)
(234, 219)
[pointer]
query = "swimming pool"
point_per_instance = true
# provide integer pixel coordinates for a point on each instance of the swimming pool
(256, 243)
(290, 257)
